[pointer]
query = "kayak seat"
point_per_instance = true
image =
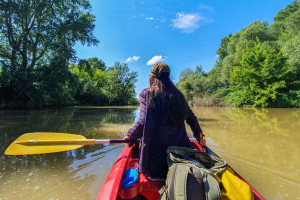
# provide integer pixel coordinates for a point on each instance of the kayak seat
(145, 187)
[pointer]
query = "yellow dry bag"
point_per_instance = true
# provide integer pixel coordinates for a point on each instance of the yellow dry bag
(234, 188)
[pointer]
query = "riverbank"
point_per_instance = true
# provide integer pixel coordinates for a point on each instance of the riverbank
(214, 100)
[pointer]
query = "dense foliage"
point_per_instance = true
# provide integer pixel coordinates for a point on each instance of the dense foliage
(98, 85)
(258, 66)
(37, 41)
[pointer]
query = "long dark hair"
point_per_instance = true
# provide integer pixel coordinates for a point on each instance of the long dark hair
(166, 101)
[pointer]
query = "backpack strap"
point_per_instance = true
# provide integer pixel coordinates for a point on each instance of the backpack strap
(172, 183)
(163, 189)
(212, 189)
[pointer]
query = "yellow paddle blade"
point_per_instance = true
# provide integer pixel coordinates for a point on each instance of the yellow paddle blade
(39, 143)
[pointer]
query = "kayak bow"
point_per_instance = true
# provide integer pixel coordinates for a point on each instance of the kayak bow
(143, 188)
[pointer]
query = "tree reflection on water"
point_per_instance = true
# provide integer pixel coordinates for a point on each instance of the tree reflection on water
(76, 174)
(261, 144)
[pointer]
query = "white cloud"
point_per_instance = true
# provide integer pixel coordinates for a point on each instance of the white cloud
(133, 58)
(149, 18)
(188, 22)
(206, 7)
(156, 59)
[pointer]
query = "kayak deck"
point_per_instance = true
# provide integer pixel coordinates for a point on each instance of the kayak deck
(112, 189)
(143, 188)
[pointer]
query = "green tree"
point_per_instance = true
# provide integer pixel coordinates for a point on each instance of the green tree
(289, 9)
(280, 39)
(186, 86)
(222, 51)
(193, 82)
(92, 79)
(53, 85)
(262, 75)
(36, 35)
(120, 88)
(287, 23)
(34, 32)
(96, 63)
(186, 73)
(257, 66)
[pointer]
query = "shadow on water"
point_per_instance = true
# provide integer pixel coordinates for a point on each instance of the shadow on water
(76, 174)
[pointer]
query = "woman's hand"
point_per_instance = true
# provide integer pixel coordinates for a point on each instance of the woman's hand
(127, 138)
(131, 140)
(201, 140)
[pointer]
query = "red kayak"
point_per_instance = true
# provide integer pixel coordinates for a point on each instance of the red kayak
(143, 188)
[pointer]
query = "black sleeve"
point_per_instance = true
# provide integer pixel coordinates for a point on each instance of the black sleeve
(193, 123)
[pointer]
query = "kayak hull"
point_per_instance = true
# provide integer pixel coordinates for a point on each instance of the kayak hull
(143, 188)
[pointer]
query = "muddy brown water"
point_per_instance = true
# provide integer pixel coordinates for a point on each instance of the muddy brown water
(262, 145)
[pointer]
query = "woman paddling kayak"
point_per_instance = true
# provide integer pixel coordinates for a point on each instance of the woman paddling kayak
(163, 111)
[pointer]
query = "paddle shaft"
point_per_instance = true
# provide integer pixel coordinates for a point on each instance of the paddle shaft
(72, 142)
(49, 142)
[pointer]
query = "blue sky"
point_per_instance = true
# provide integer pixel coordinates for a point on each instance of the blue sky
(180, 33)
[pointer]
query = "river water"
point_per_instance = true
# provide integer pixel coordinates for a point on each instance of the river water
(263, 145)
